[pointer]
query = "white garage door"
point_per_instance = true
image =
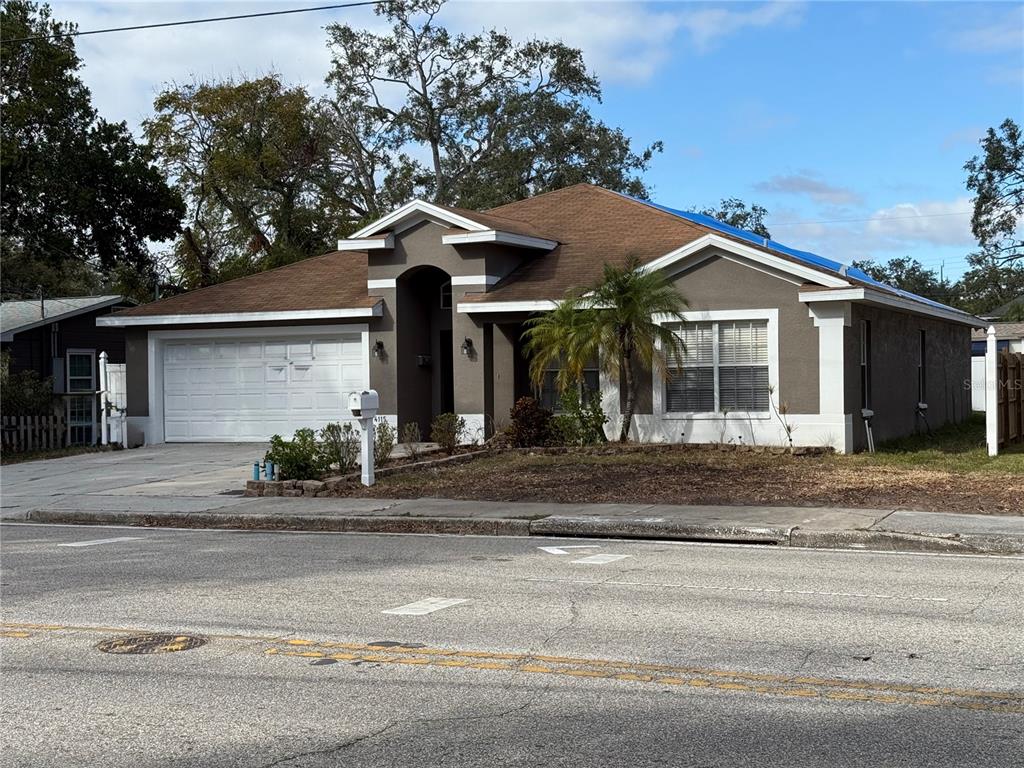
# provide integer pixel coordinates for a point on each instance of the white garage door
(248, 389)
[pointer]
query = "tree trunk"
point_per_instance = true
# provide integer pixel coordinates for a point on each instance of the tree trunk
(630, 384)
(201, 255)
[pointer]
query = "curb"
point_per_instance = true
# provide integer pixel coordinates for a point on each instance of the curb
(323, 523)
(652, 528)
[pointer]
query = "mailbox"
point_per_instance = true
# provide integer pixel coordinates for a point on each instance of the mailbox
(365, 404)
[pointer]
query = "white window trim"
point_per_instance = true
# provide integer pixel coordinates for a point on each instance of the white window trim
(91, 393)
(154, 423)
(771, 315)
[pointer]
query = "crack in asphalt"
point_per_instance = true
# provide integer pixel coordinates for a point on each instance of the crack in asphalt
(992, 592)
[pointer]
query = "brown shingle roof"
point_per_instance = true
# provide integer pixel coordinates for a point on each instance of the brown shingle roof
(593, 226)
(335, 280)
(1003, 331)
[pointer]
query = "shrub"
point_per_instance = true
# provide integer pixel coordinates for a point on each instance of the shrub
(300, 458)
(446, 430)
(411, 437)
(24, 393)
(383, 441)
(339, 445)
(530, 425)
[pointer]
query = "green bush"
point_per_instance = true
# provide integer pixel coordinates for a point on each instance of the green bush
(300, 458)
(339, 446)
(383, 441)
(585, 416)
(530, 424)
(24, 393)
(447, 430)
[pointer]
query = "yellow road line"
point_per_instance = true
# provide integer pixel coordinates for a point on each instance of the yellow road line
(835, 689)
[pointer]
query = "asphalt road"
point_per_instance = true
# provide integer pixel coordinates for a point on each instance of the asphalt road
(655, 654)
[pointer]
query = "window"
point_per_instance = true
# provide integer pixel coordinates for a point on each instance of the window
(446, 295)
(865, 364)
(81, 408)
(922, 384)
(725, 368)
(548, 395)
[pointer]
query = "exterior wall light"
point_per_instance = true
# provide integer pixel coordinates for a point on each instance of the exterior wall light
(378, 349)
(467, 347)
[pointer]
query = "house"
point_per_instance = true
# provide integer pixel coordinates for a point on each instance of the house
(427, 305)
(1009, 338)
(59, 337)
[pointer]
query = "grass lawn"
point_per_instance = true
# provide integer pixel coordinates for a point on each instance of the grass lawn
(948, 472)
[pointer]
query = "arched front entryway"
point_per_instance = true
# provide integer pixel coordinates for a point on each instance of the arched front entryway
(425, 381)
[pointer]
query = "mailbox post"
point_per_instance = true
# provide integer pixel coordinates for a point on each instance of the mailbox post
(364, 406)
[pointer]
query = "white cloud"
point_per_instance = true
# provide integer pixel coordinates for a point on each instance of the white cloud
(709, 26)
(808, 184)
(621, 41)
(921, 229)
(994, 34)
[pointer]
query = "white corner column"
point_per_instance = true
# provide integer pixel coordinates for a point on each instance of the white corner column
(832, 319)
(991, 393)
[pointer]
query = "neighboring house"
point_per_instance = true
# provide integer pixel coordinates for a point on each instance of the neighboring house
(59, 337)
(1009, 338)
(427, 306)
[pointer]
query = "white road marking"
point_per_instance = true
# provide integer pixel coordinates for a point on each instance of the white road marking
(768, 590)
(563, 550)
(600, 559)
(423, 607)
(94, 542)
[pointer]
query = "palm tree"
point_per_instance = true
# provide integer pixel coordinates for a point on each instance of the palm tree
(619, 321)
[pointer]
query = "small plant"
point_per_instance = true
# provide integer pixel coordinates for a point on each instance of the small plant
(339, 446)
(530, 425)
(781, 413)
(411, 438)
(384, 436)
(447, 430)
(300, 458)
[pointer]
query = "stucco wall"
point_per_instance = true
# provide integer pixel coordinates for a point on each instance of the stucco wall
(894, 356)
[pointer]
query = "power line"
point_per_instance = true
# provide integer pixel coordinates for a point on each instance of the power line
(873, 218)
(187, 22)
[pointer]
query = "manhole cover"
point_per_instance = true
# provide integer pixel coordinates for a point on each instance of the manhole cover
(142, 644)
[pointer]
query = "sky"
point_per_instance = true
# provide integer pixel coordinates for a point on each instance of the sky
(850, 122)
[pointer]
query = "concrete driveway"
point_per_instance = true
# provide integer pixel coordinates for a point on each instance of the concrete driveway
(174, 477)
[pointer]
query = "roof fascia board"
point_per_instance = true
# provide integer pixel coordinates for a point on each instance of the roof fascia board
(422, 207)
(500, 237)
(783, 265)
(242, 317)
(369, 244)
(870, 296)
(542, 305)
(9, 334)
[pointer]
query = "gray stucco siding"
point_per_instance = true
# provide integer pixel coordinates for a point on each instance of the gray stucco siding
(895, 347)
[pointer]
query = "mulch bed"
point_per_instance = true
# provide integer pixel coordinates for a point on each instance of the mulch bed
(709, 477)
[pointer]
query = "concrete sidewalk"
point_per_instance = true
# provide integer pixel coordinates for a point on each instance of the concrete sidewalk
(780, 526)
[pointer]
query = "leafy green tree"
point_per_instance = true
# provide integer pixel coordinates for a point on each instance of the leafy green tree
(734, 212)
(614, 323)
(498, 120)
(909, 274)
(989, 283)
(78, 195)
(997, 179)
(253, 162)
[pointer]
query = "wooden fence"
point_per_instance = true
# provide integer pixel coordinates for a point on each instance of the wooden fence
(1010, 398)
(33, 433)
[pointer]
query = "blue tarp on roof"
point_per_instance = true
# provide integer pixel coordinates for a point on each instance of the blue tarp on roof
(811, 259)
